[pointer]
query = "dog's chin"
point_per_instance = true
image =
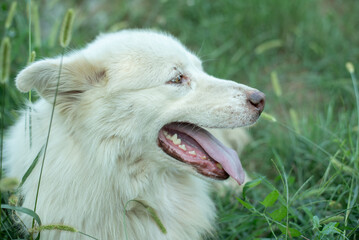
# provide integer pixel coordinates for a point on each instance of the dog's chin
(196, 147)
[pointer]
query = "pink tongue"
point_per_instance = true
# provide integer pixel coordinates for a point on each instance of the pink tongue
(227, 157)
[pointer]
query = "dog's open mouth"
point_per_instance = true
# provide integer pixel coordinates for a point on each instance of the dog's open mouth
(195, 146)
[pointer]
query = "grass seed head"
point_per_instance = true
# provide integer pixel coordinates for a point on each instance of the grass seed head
(13, 200)
(9, 184)
(155, 218)
(66, 28)
(5, 53)
(36, 24)
(153, 214)
(275, 43)
(350, 67)
(268, 117)
(275, 84)
(32, 57)
(335, 205)
(59, 227)
(10, 15)
(343, 167)
(294, 118)
(337, 218)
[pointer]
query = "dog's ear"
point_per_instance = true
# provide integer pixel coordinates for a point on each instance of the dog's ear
(75, 75)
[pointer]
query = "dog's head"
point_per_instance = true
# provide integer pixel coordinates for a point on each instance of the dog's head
(146, 93)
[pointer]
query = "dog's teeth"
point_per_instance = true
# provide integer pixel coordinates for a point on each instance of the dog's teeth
(174, 137)
(203, 157)
(192, 153)
(175, 140)
(219, 166)
(165, 133)
(183, 147)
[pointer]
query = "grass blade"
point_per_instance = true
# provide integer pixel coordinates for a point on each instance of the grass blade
(27, 211)
(351, 70)
(152, 212)
(32, 166)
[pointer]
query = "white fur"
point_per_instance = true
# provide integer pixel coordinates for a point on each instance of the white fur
(113, 99)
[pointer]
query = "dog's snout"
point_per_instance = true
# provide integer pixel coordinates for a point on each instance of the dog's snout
(257, 99)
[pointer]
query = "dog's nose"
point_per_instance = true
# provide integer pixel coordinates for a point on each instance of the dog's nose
(257, 99)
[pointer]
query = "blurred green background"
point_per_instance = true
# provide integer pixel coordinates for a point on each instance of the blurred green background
(294, 51)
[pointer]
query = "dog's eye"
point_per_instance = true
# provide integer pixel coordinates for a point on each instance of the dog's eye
(177, 80)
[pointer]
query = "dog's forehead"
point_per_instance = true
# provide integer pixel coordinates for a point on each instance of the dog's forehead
(133, 53)
(142, 45)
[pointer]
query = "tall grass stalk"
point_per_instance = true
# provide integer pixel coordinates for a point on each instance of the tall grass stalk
(2, 128)
(5, 73)
(30, 51)
(4, 68)
(31, 59)
(30, 40)
(2, 139)
(347, 212)
(65, 38)
(5, 53)
(29, 114)
(30, 29)
(351, 70)
(48, 134)
(36, 25)
(284, 179)
(47, 139)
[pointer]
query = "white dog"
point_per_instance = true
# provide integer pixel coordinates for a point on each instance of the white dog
(128, 125)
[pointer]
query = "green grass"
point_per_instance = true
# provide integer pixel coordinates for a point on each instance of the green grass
(306, 164)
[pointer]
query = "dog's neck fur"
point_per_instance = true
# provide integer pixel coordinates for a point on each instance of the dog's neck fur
(111, 182)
